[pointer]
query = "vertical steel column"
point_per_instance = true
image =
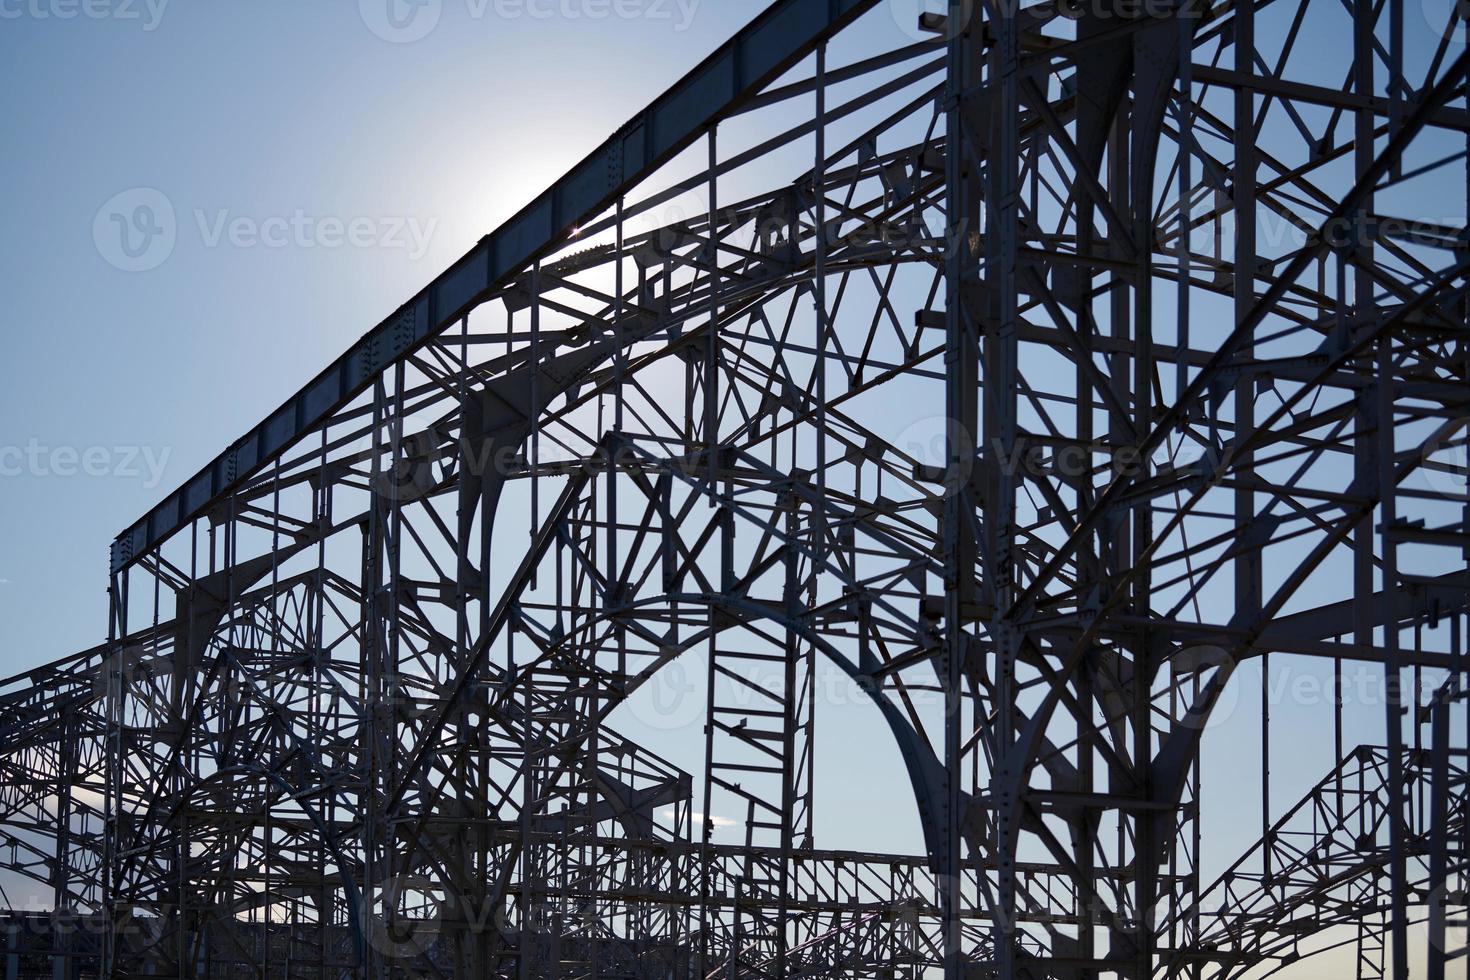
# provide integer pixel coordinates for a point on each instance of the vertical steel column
(1439, 817)
(472, 938)
(819, 300)
(112, 766)
(66, 765)
(710, 436)
(528, 910)
(316, 625)
(958, 546)
(712, 340)
(377, 682)
(1243, 190)
(1150, 825)
(1189, 13)
(1000, 384)
(267, 788)
(1392, 668)
(794, 611)
(1364, 52)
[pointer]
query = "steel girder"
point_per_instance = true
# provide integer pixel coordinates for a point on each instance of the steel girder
(1188, 314)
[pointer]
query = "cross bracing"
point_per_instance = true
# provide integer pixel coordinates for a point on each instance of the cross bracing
(1178, 301)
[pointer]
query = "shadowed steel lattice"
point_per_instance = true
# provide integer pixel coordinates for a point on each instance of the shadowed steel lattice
(1176, 293)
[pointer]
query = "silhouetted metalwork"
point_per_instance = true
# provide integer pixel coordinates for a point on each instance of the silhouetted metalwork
(1181, 290)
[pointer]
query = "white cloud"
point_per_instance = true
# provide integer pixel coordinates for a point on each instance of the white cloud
(697, 818)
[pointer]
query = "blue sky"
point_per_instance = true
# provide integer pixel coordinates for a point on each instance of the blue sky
(318, 175)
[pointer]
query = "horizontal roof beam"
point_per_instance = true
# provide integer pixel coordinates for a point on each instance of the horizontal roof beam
(779, 38)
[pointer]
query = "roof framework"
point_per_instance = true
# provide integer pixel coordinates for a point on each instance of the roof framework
(1184, 306)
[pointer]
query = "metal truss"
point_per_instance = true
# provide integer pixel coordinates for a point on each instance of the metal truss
(1186, 301)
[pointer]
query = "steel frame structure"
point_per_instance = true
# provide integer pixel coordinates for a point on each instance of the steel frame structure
(1190, 312)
